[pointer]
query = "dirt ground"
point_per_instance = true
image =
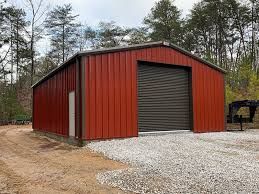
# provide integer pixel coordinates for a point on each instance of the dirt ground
(30, 163)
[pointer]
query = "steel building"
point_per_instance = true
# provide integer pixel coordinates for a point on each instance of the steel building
(119, 92)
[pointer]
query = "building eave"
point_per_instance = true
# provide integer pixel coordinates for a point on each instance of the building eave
(125, 48)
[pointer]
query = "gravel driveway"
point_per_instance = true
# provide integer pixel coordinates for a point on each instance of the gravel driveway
(185, 163)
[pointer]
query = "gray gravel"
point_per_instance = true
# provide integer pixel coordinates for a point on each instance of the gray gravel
(185, 163)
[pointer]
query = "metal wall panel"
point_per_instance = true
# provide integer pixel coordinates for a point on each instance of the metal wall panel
(111, 92)
(50, 102)
(163, 98)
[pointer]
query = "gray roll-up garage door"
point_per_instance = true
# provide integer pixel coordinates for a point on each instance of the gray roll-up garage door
(163, 98)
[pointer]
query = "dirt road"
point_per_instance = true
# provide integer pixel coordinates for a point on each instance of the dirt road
(30, 163)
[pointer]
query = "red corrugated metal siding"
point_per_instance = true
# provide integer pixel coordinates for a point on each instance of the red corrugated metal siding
(50, 102)
(111, 92)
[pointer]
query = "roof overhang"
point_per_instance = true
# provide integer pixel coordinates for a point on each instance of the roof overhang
(125, 48)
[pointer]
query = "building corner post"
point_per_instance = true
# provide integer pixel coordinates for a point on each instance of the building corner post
(78, 100)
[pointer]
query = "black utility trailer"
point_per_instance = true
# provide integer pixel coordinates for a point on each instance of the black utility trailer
(234, 108)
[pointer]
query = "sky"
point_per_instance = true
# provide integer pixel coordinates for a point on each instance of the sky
(126, 13)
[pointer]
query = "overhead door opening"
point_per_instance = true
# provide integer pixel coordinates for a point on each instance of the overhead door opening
(164, 102)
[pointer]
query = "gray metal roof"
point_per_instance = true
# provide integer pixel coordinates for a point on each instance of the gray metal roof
(124, 48)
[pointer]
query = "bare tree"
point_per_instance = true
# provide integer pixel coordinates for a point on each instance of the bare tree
(37, 11)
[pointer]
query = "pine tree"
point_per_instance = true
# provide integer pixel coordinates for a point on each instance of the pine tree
(138, 35)
(62, 28)
(165, 23)
(108, 34)
(20, 44)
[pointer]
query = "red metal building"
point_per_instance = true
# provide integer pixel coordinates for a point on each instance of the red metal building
(119, 92)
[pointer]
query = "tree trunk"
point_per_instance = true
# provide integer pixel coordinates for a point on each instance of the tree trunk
(32, 51)
(253, 39)
(63, 44)
(11, 45)
(17, 49)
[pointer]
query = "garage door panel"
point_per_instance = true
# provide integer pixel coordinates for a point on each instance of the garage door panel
(155, 100)
(163, 98)
(161, 127)
(165, 93)
(169, 80)
(177, 88)
(161, 115)
(165, 78)
(163, 118)
(164, 125)
(156, 70)
(171, 110)
(165, 74)
(181, 104)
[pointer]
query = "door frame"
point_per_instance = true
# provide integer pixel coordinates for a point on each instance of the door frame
(189, 70)
(70, 132)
